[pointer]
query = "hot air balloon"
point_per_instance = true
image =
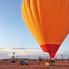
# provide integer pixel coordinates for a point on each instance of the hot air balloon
(48, 21)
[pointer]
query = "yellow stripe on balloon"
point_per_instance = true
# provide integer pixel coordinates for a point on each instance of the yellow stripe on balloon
(30, 23)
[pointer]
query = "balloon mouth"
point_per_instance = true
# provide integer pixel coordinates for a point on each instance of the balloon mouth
(51, 49)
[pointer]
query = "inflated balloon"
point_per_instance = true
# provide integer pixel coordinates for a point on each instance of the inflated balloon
(48, 21)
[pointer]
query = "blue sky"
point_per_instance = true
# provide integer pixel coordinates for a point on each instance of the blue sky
(13, 32)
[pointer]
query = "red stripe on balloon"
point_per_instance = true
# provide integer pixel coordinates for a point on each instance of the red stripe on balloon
(43, 47)
(50, 48)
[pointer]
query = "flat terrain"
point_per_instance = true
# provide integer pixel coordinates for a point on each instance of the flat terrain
(59, 64)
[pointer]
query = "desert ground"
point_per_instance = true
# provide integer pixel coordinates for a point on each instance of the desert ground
(34, 64)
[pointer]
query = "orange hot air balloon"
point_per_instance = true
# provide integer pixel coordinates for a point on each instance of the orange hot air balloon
(48, 21)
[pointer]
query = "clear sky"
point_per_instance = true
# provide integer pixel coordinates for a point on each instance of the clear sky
(13, 32)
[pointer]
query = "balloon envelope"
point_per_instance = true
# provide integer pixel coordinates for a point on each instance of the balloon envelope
(48, 21)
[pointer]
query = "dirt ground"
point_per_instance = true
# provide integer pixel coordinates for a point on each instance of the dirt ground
(34, 65)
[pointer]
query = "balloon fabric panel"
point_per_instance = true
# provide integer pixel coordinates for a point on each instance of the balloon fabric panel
(48, 21)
